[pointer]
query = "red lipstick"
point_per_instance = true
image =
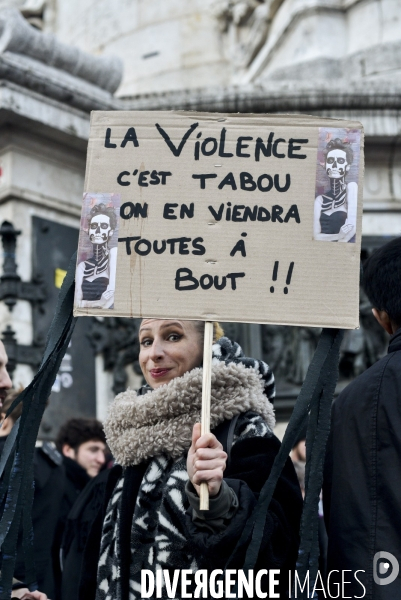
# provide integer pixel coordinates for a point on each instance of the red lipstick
(158, 372)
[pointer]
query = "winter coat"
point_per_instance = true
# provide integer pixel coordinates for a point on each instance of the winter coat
(362, 489)
(76, 533)
(149, 522)
(76, 478)
(49, 478)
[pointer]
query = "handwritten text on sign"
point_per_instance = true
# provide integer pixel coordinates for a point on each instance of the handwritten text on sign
(215, 218)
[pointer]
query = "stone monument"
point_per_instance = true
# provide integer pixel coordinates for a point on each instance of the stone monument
(335, 58)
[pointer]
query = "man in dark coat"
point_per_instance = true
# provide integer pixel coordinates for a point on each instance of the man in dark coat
(49, 487)
(362, 489)
(76, 533)
(82, 443)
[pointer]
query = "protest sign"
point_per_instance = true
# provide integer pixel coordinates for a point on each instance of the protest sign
(228, 217)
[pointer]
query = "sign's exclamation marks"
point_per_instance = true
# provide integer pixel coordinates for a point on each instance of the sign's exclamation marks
(275, 271)
(289, 275)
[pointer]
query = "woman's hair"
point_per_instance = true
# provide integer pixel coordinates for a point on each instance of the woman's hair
(337, 144)
(218, 331)
(102, 209)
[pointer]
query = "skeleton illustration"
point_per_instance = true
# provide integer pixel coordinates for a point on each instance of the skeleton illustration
(335, 210)
(95, 279)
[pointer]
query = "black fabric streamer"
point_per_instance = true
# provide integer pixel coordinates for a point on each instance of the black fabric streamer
(16, 463)
(316, 440)
(315, 398)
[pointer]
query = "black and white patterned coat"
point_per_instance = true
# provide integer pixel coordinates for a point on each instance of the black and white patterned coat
(152, 432)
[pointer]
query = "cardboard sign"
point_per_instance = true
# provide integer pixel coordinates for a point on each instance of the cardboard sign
(228, 217)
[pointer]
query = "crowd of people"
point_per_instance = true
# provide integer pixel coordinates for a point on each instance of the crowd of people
(115, 499)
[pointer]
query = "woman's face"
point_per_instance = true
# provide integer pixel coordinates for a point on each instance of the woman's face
(169, 348)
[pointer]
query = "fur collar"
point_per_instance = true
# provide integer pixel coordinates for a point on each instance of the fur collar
(161, 421)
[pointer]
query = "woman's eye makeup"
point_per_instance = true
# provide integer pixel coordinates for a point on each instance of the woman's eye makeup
(170, 336)
(174, 337)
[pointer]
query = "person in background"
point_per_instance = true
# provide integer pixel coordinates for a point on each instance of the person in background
(49, 488)
(7, 424)
(19, 589)
(19, 593)
(82, 443)
(298, 457)
(5, 381)
(298, 452)
(76, 533)
(361, 492)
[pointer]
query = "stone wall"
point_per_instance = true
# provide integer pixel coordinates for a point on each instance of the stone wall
(334, 58)
(164, 44)
(323, 39)
(46, 92)
(188, 44)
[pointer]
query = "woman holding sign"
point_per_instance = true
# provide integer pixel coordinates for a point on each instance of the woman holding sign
(152, 521)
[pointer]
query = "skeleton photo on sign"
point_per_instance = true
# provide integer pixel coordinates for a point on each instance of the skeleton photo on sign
(96, 269)
(335, 209)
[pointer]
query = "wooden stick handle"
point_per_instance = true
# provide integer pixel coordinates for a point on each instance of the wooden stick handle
(206, 391)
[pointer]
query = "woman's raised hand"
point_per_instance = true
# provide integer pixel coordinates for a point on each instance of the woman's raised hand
(206, 461)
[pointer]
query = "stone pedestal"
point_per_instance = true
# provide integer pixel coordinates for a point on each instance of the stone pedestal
(46, 92)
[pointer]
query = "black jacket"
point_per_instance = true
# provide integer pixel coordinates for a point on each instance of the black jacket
(49, 479)
(362, 484)
(76, 479)
(76, 533)
(280, 540)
